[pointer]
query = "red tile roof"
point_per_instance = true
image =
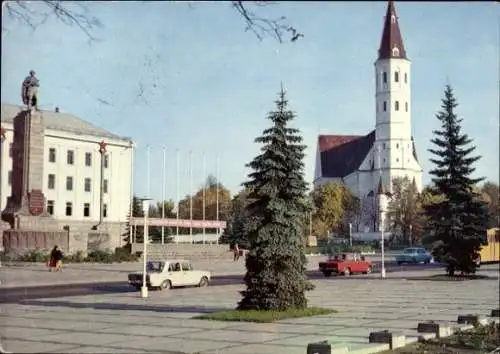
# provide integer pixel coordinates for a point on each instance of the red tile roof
(343, 154)
(391, 36)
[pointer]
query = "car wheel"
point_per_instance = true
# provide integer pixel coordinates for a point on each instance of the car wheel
(166, 285)
(414, 261)
(203, 282)
(347, 272)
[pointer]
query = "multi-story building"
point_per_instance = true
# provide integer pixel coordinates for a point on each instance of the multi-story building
(72, 168)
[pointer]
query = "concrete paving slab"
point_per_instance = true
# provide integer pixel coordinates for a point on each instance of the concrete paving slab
(159, 330)
(102, 349)
(258, 348)
(368, 348)
(17, 333)
(83, 338)
(24, 346)
(240, 335)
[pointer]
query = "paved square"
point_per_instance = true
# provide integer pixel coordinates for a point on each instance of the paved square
(123, 323)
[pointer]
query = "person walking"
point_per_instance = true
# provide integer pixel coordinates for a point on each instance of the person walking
(56, 257)
(236, 251)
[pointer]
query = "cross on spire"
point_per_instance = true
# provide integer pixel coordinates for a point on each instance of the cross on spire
(391, 44)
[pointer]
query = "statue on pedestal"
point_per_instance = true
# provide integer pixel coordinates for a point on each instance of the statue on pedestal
(29, 91)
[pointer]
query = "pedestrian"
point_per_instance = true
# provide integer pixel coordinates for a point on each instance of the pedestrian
(236, 251)
(56, 257)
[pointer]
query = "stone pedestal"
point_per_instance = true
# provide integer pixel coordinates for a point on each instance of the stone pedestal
(30, 224)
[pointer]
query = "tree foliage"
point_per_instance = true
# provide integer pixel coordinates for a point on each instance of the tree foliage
(335, 206)
(404, 210)
(211, 191)
(459, 220)
(276, 264)
(236, 231)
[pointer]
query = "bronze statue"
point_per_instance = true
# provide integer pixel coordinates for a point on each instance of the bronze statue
(29, 91)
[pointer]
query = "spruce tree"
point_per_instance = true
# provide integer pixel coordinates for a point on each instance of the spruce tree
(276, 263)
(459, 220)
(136, 212)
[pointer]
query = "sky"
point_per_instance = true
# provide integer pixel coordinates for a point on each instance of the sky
(186, 76)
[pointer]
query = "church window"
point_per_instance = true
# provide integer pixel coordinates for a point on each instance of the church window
(385, 106)
(393, 19)
(395, 52)
(397, 160)
(397, 146)
(406, 106)
(396, 105)
(396, 76)
(384, 160)
(384, 148)
(384, 75)
(406, 78)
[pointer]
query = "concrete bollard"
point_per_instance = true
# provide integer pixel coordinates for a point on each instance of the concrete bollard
(436, 328)
(468, 319)
(495, 313)
(319, 348)
(395, 340)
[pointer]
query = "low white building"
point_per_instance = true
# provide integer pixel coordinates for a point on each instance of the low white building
(72, 167)
(366, 164)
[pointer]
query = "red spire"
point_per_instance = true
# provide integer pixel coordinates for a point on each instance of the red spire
(391, 45)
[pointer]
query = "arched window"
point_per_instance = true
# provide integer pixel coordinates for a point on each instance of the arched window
(395, 52)
(396, 105)
(385, 106)
(393, 19)
(406, 106)
(397, 146)
(396, 76)
(384, 77)
(406, 78)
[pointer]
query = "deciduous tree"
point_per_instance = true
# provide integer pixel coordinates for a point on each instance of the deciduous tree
(276, 264)
(490, 192)
(460, 219)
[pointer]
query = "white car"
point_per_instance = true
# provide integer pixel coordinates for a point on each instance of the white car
(170, 273)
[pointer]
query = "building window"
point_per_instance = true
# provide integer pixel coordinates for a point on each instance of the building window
(406, 106)
(397, 160)
(69, 183)
(105, 186)
(10, 150)
(52, 181)
(395, 52)
(397, 146)
(50, 207)
(105, 210)
(406, 78)
(88, 159)
(9, 178)
(385, 106)
(69, 208)
(52, 155)
(70, 157)
(87, 185)
(396, 76)
(106, 161)
(396, 105)
(383, 146)
(384, 159)
(86, 210)
(384, 77)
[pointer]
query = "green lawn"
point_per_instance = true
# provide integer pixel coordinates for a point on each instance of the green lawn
(263, 316)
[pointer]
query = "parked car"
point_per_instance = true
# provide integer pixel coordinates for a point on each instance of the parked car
(346, 264)
(170, 273)
(414, 255)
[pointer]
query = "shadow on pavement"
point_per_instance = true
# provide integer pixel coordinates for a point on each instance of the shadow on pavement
(121, 307)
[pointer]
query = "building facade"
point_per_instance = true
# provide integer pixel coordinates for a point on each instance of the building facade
(72, 168)
(368, 164)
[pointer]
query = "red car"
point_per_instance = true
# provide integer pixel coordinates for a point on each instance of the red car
(347, 264)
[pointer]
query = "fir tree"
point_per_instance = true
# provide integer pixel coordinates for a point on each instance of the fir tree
(459, 220)
(276, 263)
(136, 212)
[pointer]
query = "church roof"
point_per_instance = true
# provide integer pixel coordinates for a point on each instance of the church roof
(60, 121)
(343, 154)
(391, 36)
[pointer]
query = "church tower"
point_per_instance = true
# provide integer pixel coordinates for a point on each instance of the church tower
(393, 148)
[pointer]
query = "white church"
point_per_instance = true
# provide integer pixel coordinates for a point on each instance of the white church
(367, 164)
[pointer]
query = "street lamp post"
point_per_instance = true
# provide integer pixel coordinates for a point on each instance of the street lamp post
(145, 238)
(2, 139)
(382, 245)
(410, 238)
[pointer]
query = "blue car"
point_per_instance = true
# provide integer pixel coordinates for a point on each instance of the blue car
(414, 255)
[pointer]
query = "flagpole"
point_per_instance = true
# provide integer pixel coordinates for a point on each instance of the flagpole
(164, 167)
(177, 180)
(148, 185)
(191, 195)
(131, 212)
(217, 193)
(204, 191)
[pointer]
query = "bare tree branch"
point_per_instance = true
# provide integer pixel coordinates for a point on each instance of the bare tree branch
(262, 26)
(68, 12)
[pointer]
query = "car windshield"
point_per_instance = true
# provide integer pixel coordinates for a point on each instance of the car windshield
(409, 250)
(154, 266)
